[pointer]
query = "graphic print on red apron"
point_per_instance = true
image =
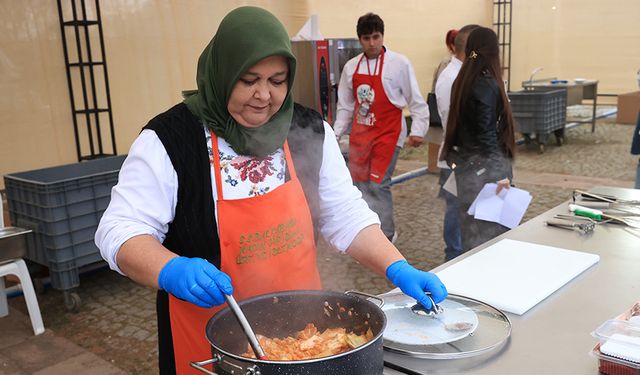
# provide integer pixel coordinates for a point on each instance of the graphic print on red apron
(376, 125)
(365, 95)
(267, 245)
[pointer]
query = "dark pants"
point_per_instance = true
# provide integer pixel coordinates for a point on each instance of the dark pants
(378, 197)
(474, 232)
(451, 227)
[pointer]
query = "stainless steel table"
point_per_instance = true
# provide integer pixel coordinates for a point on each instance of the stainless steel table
(554, 337)
(576, 93)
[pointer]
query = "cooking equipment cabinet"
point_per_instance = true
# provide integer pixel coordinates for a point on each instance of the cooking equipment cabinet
(554, 336)
(318, 69)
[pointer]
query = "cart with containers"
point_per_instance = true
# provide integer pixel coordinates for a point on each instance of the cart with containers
(63, 205)
(539, 113)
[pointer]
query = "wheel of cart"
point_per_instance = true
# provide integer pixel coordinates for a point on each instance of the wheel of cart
(559, 134)
(541, 141)
(72, 301)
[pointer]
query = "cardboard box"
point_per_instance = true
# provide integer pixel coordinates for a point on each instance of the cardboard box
(628, 108)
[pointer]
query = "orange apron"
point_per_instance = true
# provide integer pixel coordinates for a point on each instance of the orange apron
(267, 245)
(376, 126)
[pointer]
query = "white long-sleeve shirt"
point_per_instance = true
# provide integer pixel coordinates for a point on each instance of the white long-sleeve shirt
(443, 98)
(144, 200)
(400, 85)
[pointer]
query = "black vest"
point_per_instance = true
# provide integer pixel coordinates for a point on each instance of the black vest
(192, 232)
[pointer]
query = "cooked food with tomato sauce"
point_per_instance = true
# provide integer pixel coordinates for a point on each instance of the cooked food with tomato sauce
(310, 343)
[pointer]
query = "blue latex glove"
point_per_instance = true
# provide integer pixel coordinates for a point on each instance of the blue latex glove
(195, 280)
(415, 283)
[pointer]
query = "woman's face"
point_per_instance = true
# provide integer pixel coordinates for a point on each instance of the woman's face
(259, 92)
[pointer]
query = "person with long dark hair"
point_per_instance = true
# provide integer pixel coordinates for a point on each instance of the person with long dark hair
(479, 142)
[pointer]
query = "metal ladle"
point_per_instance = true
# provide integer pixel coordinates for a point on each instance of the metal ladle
(246, 327)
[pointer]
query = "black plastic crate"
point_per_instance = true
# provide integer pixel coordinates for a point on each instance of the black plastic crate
(539, 112)
(63, 206)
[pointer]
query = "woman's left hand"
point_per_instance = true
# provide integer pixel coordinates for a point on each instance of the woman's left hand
(416, 283)
(415, 141)
(503, 184)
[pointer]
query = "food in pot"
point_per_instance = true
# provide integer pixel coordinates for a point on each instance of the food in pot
(310, 343)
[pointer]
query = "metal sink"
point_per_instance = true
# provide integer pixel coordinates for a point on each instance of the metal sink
(13, 243)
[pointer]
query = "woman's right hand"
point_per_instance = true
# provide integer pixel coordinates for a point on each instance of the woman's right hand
(505, 183)
(195, 280)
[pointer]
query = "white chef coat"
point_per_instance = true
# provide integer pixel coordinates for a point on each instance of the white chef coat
(400, 85)
(443, 97)
(144, 200)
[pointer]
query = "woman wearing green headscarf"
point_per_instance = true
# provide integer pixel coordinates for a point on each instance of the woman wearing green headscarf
(226, 193)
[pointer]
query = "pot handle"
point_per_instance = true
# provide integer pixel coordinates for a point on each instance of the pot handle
(198, 365)
(358, 293)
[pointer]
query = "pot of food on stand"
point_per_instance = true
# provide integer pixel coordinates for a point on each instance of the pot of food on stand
(301, 332)
(307, 332)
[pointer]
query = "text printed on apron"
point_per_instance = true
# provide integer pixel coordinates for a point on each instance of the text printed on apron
(267, 245)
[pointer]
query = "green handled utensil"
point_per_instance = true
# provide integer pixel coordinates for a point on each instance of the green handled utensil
(585, 211)
(598, 215)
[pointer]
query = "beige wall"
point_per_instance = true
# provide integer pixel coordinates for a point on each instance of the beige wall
(578, 39)
(153, 45)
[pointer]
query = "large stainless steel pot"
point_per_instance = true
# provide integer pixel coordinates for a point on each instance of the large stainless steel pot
(283, 314)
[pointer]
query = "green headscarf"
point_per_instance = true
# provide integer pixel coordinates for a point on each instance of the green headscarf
(245, 36)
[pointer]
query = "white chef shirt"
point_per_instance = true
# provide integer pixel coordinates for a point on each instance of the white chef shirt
(443, 97)
(144, 200)
(400, 85)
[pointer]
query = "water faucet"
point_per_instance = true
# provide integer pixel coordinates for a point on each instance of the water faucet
(533, 73)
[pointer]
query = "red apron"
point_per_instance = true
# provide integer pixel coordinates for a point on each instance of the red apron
(376, 126)
(267, 245)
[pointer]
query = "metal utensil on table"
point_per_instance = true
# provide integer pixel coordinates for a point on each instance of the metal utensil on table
(611, 208)
(564, 223)
(435, 312)
(599, 215)
(246, 327)
(581, 219)
(604, 198)
(633, 223)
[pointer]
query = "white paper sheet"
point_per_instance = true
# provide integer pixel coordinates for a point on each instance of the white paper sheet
(515, 206)
(513, 275)
(507, 208)
(450, 184)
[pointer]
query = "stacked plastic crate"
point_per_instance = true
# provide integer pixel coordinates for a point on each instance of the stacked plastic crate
(63, 206)
(540, 112)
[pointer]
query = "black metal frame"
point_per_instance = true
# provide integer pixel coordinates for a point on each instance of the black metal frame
(502, 24)
(83, 25)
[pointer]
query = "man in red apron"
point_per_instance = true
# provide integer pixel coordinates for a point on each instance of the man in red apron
(377, 120)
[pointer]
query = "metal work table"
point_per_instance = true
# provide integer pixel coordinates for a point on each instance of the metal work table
(554, 337)
(576, 93)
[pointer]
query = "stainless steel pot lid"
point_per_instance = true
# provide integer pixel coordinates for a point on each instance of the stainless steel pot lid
(465, 327)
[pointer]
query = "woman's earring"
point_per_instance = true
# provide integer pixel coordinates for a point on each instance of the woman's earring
(473, 55)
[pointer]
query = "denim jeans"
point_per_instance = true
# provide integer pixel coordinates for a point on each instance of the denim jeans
(638, 175)
(451, 228)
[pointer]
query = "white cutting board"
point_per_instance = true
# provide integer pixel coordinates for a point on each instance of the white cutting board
(513, 275)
